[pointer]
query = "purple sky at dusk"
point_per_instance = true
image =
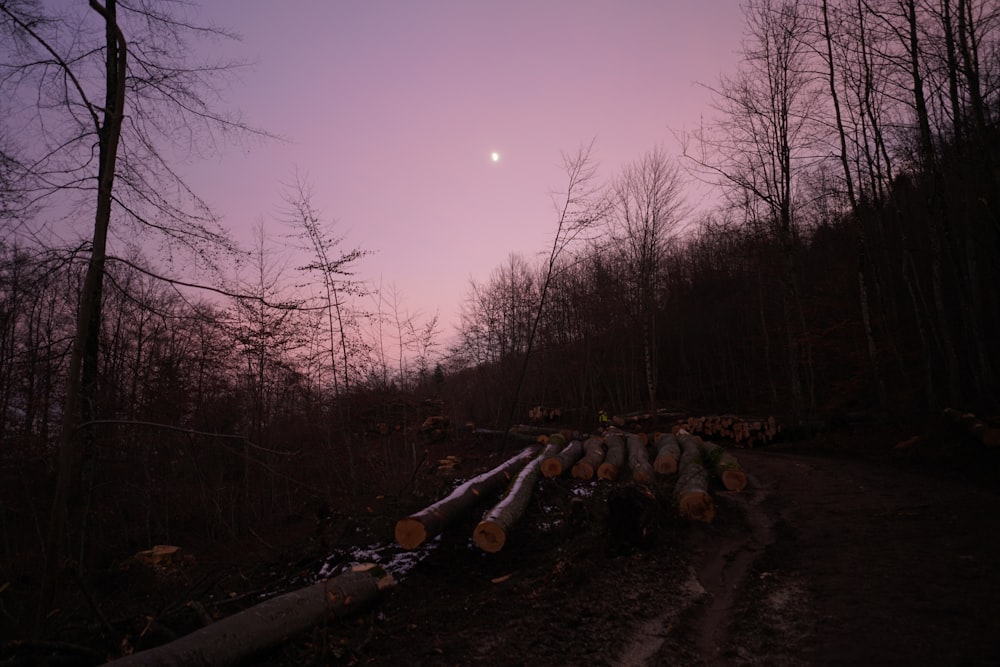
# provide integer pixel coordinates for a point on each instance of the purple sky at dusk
(393, 109)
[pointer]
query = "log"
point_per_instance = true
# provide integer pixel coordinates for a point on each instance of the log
(724, 465)
(691, 489)
(593, 456)
(554, 466)
(638, 458)
(668, 453)
(509, 435)
(414, 530)
(614, 459)
(490, 534)
(237, 637)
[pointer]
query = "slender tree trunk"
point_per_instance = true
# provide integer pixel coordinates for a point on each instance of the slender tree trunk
(76, 438)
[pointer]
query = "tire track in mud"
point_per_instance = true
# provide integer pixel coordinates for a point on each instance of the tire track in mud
(700, 619)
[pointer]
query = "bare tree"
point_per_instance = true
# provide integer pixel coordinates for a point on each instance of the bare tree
(646, 209)
(68, 89)
(767, 135)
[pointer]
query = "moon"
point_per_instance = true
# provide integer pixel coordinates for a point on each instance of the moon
(495, 156)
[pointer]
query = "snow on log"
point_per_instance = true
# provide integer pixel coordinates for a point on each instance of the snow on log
(638, 458)
(237, 637)
(554, 466)
(593, 456)
(491, 533)
(614, 459)
(691, 489)
(668, 453)
(417, 528)
(724, 465)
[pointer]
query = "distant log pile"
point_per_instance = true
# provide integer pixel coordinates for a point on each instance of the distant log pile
(743, 431)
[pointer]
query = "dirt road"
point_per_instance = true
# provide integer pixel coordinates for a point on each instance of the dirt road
(844, 562)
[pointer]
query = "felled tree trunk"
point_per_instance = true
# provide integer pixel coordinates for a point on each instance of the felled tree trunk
(614, 459)
(491, 533)
(417, 528)
(668, 453)
(593, 456)
(554, 466)
(724, 465)
(638, 458)
(691, 489)
(237, 637)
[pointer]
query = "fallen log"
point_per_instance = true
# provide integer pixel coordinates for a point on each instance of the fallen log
(691, 489)
(638, 458)
(554, 466)
(668, 453)
(614, 458)
(593, 456)
(414, 530)
(490, 534)
(510, 435)
(237, 637)
(724, 465)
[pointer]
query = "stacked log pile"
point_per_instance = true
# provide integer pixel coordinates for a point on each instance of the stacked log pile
(593, 457)
(743, 431)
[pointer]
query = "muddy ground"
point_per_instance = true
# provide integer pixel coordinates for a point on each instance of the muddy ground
(842, 550)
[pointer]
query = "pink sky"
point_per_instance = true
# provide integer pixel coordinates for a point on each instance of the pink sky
(393, 109)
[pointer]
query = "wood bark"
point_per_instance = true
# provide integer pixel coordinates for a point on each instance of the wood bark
(668, 453)
(638, 458)
(691, 489)
(724, 465)
(414, 530)
(237, 637)
(593, 456)
(614, 459)
(491, 533)
(554, 466)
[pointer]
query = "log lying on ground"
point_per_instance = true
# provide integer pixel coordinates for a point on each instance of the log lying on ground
(614, 459)
(975, 427)
(490, 534)
(554, 466)
(510, 435)
(237, 637)
(668, 453)
(744, 431)
(417, 528)
(691, 489)
(638, 458)
(593, 456)
(724, 465)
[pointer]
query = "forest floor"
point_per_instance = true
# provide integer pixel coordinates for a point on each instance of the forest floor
(842, 550)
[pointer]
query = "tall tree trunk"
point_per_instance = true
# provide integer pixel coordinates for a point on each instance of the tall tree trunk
(76, 438)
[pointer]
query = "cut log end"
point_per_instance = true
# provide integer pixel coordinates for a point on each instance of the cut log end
(734, 480)
(489, 536)
(583, 471)
(410, 533)
(697, 505)
(607, 471)
(665, 465)
(642, 476)
(551, 467)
